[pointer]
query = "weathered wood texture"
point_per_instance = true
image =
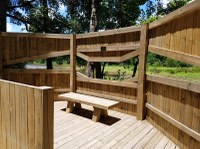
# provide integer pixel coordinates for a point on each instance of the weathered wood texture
(112, 44)
(179, 37)
(141, 94)
(175, 102)
(26, 116)
(75, 131)
(126, 93)
(73, 63)
(58, 79)
(25, 47)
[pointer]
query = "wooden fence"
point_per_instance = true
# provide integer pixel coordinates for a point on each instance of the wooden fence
(26, 116)
(171, 105)
(124, 92)
(177, 34)
(59, 79)
(18, 48)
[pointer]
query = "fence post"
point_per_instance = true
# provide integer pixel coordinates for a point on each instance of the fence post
(141, 93)
(48, 117)
(73, 63)
(1, 55)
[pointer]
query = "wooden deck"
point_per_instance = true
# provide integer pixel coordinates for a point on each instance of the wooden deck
(77, 130)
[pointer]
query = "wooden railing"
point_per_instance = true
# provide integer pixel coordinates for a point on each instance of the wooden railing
(26, 116)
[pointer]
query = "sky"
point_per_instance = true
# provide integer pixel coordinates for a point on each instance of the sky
(16, 28)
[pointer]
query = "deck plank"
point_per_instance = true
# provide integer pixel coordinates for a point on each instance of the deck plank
(75, 131)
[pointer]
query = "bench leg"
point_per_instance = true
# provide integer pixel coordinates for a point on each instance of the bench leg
(104, 113)
(70, 106)
(77, 105)
(96, 114)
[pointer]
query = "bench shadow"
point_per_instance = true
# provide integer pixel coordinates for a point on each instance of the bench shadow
(109, 120)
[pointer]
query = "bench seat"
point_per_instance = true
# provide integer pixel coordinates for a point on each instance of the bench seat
(101, 105)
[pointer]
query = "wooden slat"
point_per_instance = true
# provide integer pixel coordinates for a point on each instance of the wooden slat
(106, 82)
(186, 85)
(73, 63)
(176, 123)
(110, 32)
(38, 71)
(83, 56)
(121, 99)
(105, 59)
(129, 55)
(36, 35)
(177, 13)
(180, 56)
(109, 58)
(142, 72)
(26, 59)
(110, 48)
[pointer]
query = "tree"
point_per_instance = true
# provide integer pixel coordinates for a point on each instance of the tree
(110, 13)
(39, 16)
(3, 15)
(171, 6)
(93, 15)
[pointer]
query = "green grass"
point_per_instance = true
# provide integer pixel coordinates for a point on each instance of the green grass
(185, 73)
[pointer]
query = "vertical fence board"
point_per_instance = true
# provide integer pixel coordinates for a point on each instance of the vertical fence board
(73, 63)
(142, 72)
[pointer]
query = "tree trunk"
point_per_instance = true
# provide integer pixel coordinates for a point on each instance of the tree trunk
(135, 67)
(49, 63)
(93, 24)
(98, 70)
(3, 15)
(90, 70)
(93, 28)
(45, 29)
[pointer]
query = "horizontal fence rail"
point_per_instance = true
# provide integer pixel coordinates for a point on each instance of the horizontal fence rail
(26, 116)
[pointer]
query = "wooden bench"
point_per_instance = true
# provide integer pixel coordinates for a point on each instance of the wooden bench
(100, 105)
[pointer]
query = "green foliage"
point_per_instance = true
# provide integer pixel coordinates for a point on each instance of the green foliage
(120, 75)
(157, 60)
(110, 14)
(17, 66)
(172, 6)
(149, 20)
(37, 15)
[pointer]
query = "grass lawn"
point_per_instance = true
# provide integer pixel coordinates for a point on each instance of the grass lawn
(185, 73)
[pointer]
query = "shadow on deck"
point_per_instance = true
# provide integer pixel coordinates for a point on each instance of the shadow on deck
(77, 130)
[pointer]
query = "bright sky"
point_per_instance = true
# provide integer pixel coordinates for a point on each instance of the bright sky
(16, 28)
